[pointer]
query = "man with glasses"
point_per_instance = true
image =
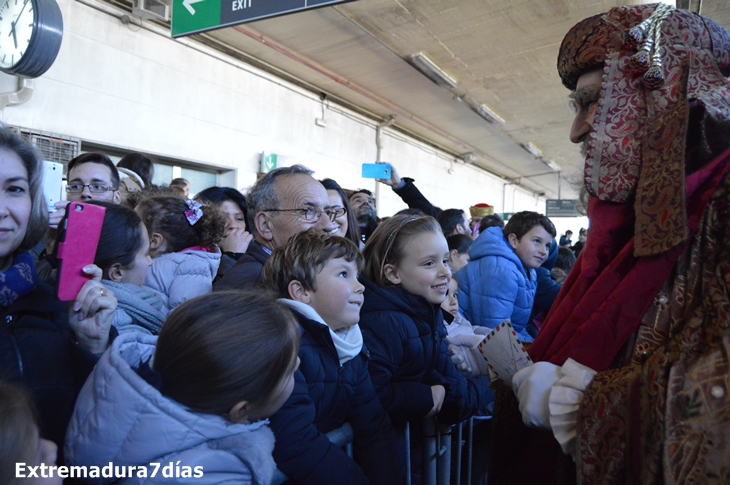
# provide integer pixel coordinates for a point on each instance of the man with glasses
(91, 176)
(283, 202)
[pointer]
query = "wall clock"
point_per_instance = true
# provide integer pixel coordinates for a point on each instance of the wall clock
(30, 36)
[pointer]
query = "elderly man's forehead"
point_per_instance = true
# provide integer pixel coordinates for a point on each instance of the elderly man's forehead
(300, 185)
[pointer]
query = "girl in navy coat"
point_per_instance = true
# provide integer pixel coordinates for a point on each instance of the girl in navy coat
(406, 280)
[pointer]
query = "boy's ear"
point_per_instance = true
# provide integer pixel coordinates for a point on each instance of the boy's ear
(115, 273)
(454, 253)
(263, 226)
(391, 274)
(298, 293)
(513, 240)
(239, 412)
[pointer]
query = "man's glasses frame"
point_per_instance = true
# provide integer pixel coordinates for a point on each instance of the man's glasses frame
(93, 188)
(312, 214)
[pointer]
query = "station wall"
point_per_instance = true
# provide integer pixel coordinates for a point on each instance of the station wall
(137, 89)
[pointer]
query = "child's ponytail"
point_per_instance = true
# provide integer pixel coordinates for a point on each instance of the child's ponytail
(182, 222)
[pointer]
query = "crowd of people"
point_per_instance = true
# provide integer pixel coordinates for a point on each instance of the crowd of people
(231, 335)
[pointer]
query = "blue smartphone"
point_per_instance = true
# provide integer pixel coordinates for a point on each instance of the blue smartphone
(376, 171)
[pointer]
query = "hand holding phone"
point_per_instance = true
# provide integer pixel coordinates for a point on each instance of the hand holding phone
(91, 315)
(52, 184)
(77, 247)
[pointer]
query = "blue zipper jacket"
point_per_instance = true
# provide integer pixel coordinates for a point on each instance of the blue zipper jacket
(495, 286)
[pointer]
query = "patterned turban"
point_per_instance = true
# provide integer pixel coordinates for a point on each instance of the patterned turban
(637, 147)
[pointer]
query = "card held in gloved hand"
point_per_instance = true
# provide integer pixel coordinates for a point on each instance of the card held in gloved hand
(504, 352)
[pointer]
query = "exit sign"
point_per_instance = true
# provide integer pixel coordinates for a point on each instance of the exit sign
(195, 16)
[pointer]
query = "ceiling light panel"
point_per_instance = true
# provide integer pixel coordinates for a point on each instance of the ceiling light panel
(432, 71)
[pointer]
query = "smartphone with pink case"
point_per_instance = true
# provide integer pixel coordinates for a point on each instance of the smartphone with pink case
(77, 247)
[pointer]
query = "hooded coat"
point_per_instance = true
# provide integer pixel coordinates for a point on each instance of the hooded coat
(121, 418)
(180, 276)
(495, 286)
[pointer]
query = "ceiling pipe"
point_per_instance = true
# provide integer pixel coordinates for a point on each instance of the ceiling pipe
(379, 149)
(379, 135)
(22, 95)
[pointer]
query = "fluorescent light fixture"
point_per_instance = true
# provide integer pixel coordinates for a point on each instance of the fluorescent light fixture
(530, 147)
(552, 164)
(430, 69)
(486, 112)
(470, 158)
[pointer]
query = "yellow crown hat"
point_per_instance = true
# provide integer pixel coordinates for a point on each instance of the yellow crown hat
(481, 210)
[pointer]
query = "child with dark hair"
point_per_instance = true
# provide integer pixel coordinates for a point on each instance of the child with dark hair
(500, 281)
(459, 245)
(140, 164)
(123, 254)
(183, 236)
(563, 265)
(315, 275)
(197, 399)
(406, 279)
(20, 441)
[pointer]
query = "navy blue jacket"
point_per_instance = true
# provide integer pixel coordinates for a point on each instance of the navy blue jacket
(246, 273)
(38, 350)
(326, 396)
(408, 354)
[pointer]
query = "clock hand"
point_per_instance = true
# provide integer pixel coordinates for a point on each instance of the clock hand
(12, 31)
(21, 11)
(12, 24)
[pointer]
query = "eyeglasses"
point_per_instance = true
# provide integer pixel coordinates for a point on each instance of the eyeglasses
(93, 188)
(311, 214)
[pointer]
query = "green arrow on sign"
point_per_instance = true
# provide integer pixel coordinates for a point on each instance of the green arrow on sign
(190, 16)
(270, 162)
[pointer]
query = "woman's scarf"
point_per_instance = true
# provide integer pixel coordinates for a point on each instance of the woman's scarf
(18, 280)
(139, 309)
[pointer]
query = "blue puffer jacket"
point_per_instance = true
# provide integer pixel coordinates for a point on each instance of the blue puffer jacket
(494, 286)
(327, 395)
(121, 418)
(405, 335)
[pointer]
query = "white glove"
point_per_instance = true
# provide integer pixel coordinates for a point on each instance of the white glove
(532, 386)
(466, 356)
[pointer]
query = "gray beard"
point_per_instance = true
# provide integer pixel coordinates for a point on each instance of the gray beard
(584, 149)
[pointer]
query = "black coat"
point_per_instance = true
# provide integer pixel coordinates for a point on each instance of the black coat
(38, 350)
(405, 335)
(246, 273)
(326, 396)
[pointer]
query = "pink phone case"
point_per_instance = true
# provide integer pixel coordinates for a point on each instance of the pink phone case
(78, 248)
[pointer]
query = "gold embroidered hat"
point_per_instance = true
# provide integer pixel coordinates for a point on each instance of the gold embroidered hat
(656, 60)
(481, 210)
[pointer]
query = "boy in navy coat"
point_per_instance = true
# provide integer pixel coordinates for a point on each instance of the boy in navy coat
(316, 276)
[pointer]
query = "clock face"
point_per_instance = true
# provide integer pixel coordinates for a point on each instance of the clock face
(16, 28)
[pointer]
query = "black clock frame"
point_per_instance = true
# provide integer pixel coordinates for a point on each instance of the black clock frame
(45, 41)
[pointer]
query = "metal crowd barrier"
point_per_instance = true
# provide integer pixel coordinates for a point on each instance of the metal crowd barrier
(436, 452)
